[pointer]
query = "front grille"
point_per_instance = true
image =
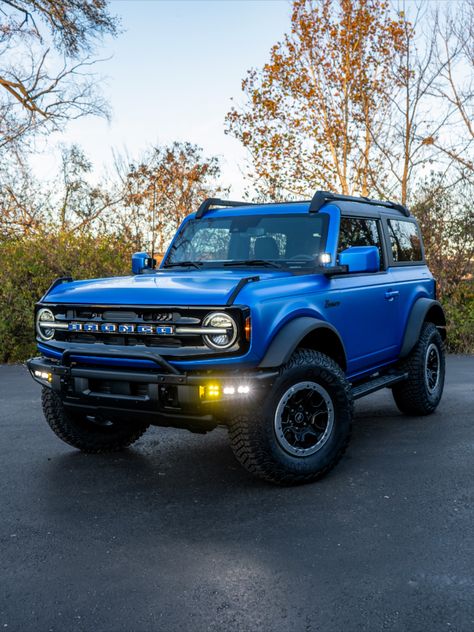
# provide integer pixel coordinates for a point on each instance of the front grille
(153, 320)
(146, 316)
(126, 315)
(130, 341)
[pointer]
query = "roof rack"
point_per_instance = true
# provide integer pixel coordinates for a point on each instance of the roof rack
(321, 197)
(318, 201)
(206, 205)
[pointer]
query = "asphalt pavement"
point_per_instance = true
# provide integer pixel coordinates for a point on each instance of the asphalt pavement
(173, 535)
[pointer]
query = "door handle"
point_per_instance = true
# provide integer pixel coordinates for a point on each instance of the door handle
(391, 294)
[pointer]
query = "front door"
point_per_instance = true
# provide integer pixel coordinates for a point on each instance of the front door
(364, 307)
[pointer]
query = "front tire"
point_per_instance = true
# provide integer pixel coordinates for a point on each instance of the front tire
(88, 434)
(421, 393)
(302, 428)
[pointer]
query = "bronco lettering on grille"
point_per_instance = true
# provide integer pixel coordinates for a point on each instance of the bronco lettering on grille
(122, 328)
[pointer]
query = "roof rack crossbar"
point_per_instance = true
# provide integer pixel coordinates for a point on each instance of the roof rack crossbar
(321, 197)
(206, 205)
(318, 201)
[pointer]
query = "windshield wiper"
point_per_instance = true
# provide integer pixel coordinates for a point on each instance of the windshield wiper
(257, 262)
(184, 264)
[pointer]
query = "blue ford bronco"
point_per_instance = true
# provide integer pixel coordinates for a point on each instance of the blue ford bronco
(269, 319)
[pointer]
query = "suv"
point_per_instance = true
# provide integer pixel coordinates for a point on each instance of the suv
(269, 319)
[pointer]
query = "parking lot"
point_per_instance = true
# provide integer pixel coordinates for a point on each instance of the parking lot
(173, 535)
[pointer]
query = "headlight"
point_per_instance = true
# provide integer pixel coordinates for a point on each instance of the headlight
(218, 320)
(43, 317)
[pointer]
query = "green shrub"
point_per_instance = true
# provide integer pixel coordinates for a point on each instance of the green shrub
(459, 310)
(29, 264)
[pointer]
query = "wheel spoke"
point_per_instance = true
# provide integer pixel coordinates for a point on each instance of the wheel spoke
(432, 367)
(304, 418)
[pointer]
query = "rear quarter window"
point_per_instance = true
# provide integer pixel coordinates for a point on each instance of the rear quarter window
(405, 241)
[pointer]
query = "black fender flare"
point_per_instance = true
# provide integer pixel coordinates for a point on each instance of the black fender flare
(417, 317)
(290, 335)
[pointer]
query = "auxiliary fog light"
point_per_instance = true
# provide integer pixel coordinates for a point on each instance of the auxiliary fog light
(43, 375)
(325, 258)
(210, 391)
(243, 389)
(215, 391)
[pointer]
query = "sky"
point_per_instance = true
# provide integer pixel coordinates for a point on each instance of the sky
(171, 75)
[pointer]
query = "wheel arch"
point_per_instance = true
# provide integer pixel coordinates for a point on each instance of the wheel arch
(424, 310)
(304, 332)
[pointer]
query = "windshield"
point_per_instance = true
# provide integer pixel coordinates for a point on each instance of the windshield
(267, 240)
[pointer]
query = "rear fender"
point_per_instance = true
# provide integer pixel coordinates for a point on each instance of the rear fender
(424, 309)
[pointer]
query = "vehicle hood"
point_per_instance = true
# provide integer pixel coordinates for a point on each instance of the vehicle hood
(203, 287)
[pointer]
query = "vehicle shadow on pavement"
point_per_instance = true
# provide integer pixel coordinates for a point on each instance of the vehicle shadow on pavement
(168, 467)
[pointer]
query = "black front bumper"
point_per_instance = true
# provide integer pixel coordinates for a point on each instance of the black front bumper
(160, 397)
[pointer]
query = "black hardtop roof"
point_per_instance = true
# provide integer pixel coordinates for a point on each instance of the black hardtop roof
(347, 203)
(362, 209)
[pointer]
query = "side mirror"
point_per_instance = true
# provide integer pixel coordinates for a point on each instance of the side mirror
(141, 261)
(360, 259)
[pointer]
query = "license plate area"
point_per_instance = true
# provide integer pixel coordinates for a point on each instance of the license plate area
(115, 387)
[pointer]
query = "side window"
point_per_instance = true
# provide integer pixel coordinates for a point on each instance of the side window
(404, 240)
(359, 232)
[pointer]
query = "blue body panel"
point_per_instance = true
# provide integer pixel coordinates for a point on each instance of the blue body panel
(181, 288)
(369, 310)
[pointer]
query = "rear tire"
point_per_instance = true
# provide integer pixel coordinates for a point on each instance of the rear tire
(302, 427)
(420, 394)
(90, 435)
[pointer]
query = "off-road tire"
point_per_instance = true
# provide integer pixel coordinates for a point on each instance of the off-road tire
(78, 431)
(413, 396)
(253, 436)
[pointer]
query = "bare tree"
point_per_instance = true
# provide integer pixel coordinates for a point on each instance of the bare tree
(429, 122)
(313, 113)
(67, 202)
(46, 74)
(446, 216)
(81, 206)
(165, 186)
(406, 143)
(455, 86)
(22, 200)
